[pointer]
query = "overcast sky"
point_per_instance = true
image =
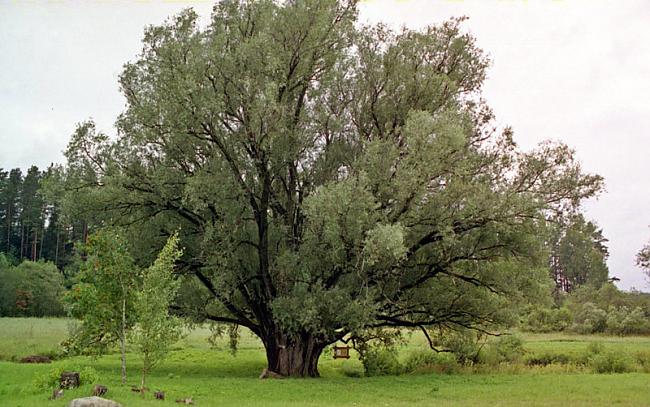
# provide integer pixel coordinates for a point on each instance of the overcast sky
(576, 71)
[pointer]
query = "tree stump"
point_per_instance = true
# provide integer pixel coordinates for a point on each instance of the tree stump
(159, 395)
(99, 390)
(69, 380)
(56, 393)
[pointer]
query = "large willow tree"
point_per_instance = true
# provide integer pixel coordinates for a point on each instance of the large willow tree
(328, 179)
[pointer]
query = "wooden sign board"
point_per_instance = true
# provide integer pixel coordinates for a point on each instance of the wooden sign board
(341, 352)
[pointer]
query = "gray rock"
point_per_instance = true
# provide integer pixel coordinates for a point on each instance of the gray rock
(93, 402)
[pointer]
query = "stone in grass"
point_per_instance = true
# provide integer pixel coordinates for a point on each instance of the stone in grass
(93, 402)
(69, 380)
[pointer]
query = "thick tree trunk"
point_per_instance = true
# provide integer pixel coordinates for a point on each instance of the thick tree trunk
(293, 357)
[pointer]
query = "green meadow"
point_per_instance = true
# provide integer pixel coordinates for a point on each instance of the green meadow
(212, 376)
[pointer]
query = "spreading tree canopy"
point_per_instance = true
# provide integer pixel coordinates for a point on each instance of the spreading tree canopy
(328, 179)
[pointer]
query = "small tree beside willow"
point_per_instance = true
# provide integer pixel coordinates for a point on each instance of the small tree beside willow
(103, 296)
(156, 330)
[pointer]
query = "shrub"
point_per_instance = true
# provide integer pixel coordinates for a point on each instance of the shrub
(623, 321)
(643, 360)
(611, 362)
(547, 320)
(562, 319)
(420, 359)
(351, 371)
(509, 348)
(88, 375)
(31, 289)
(595, 348)
(50, 380)
(464, 345)
(381, 362)
(426, 361)
(590, 319)
(548, 358)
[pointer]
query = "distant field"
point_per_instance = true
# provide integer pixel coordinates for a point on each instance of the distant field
(28, 336)
(213, 377)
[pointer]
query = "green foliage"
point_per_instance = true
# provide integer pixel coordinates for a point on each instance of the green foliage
(548, 358)
(31, 223)
(582, 254)
(103, 296)
(428, 361)
(506, 349)
(51, 380)
(595, 348)
(156, 330)
(420, 359)
(381, 362)
(623, 321)
(327, 177)
(542, 319)
(30, 289)
(590, 319)
(609, 310)
(466, 346)
(612, 362)
(643, 360)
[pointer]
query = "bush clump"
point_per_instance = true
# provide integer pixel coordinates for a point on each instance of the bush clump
(643, 360)
(625, 321)
(542, 319)
(50, 380)
(548, 358)
(31, 289)
(380, 362)
(611, 362)
(465, 345)
(590, 319)
(595, 348)
(427, 361)
(508, 349)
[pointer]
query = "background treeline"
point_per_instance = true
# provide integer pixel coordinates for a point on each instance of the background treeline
(584, 299)
(589, 310)
(31, 223)
(30, 289)
(38, 262)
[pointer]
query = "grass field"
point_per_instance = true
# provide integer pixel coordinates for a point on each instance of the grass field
(213, 377)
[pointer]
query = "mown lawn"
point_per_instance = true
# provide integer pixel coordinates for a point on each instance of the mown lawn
(213, 377)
